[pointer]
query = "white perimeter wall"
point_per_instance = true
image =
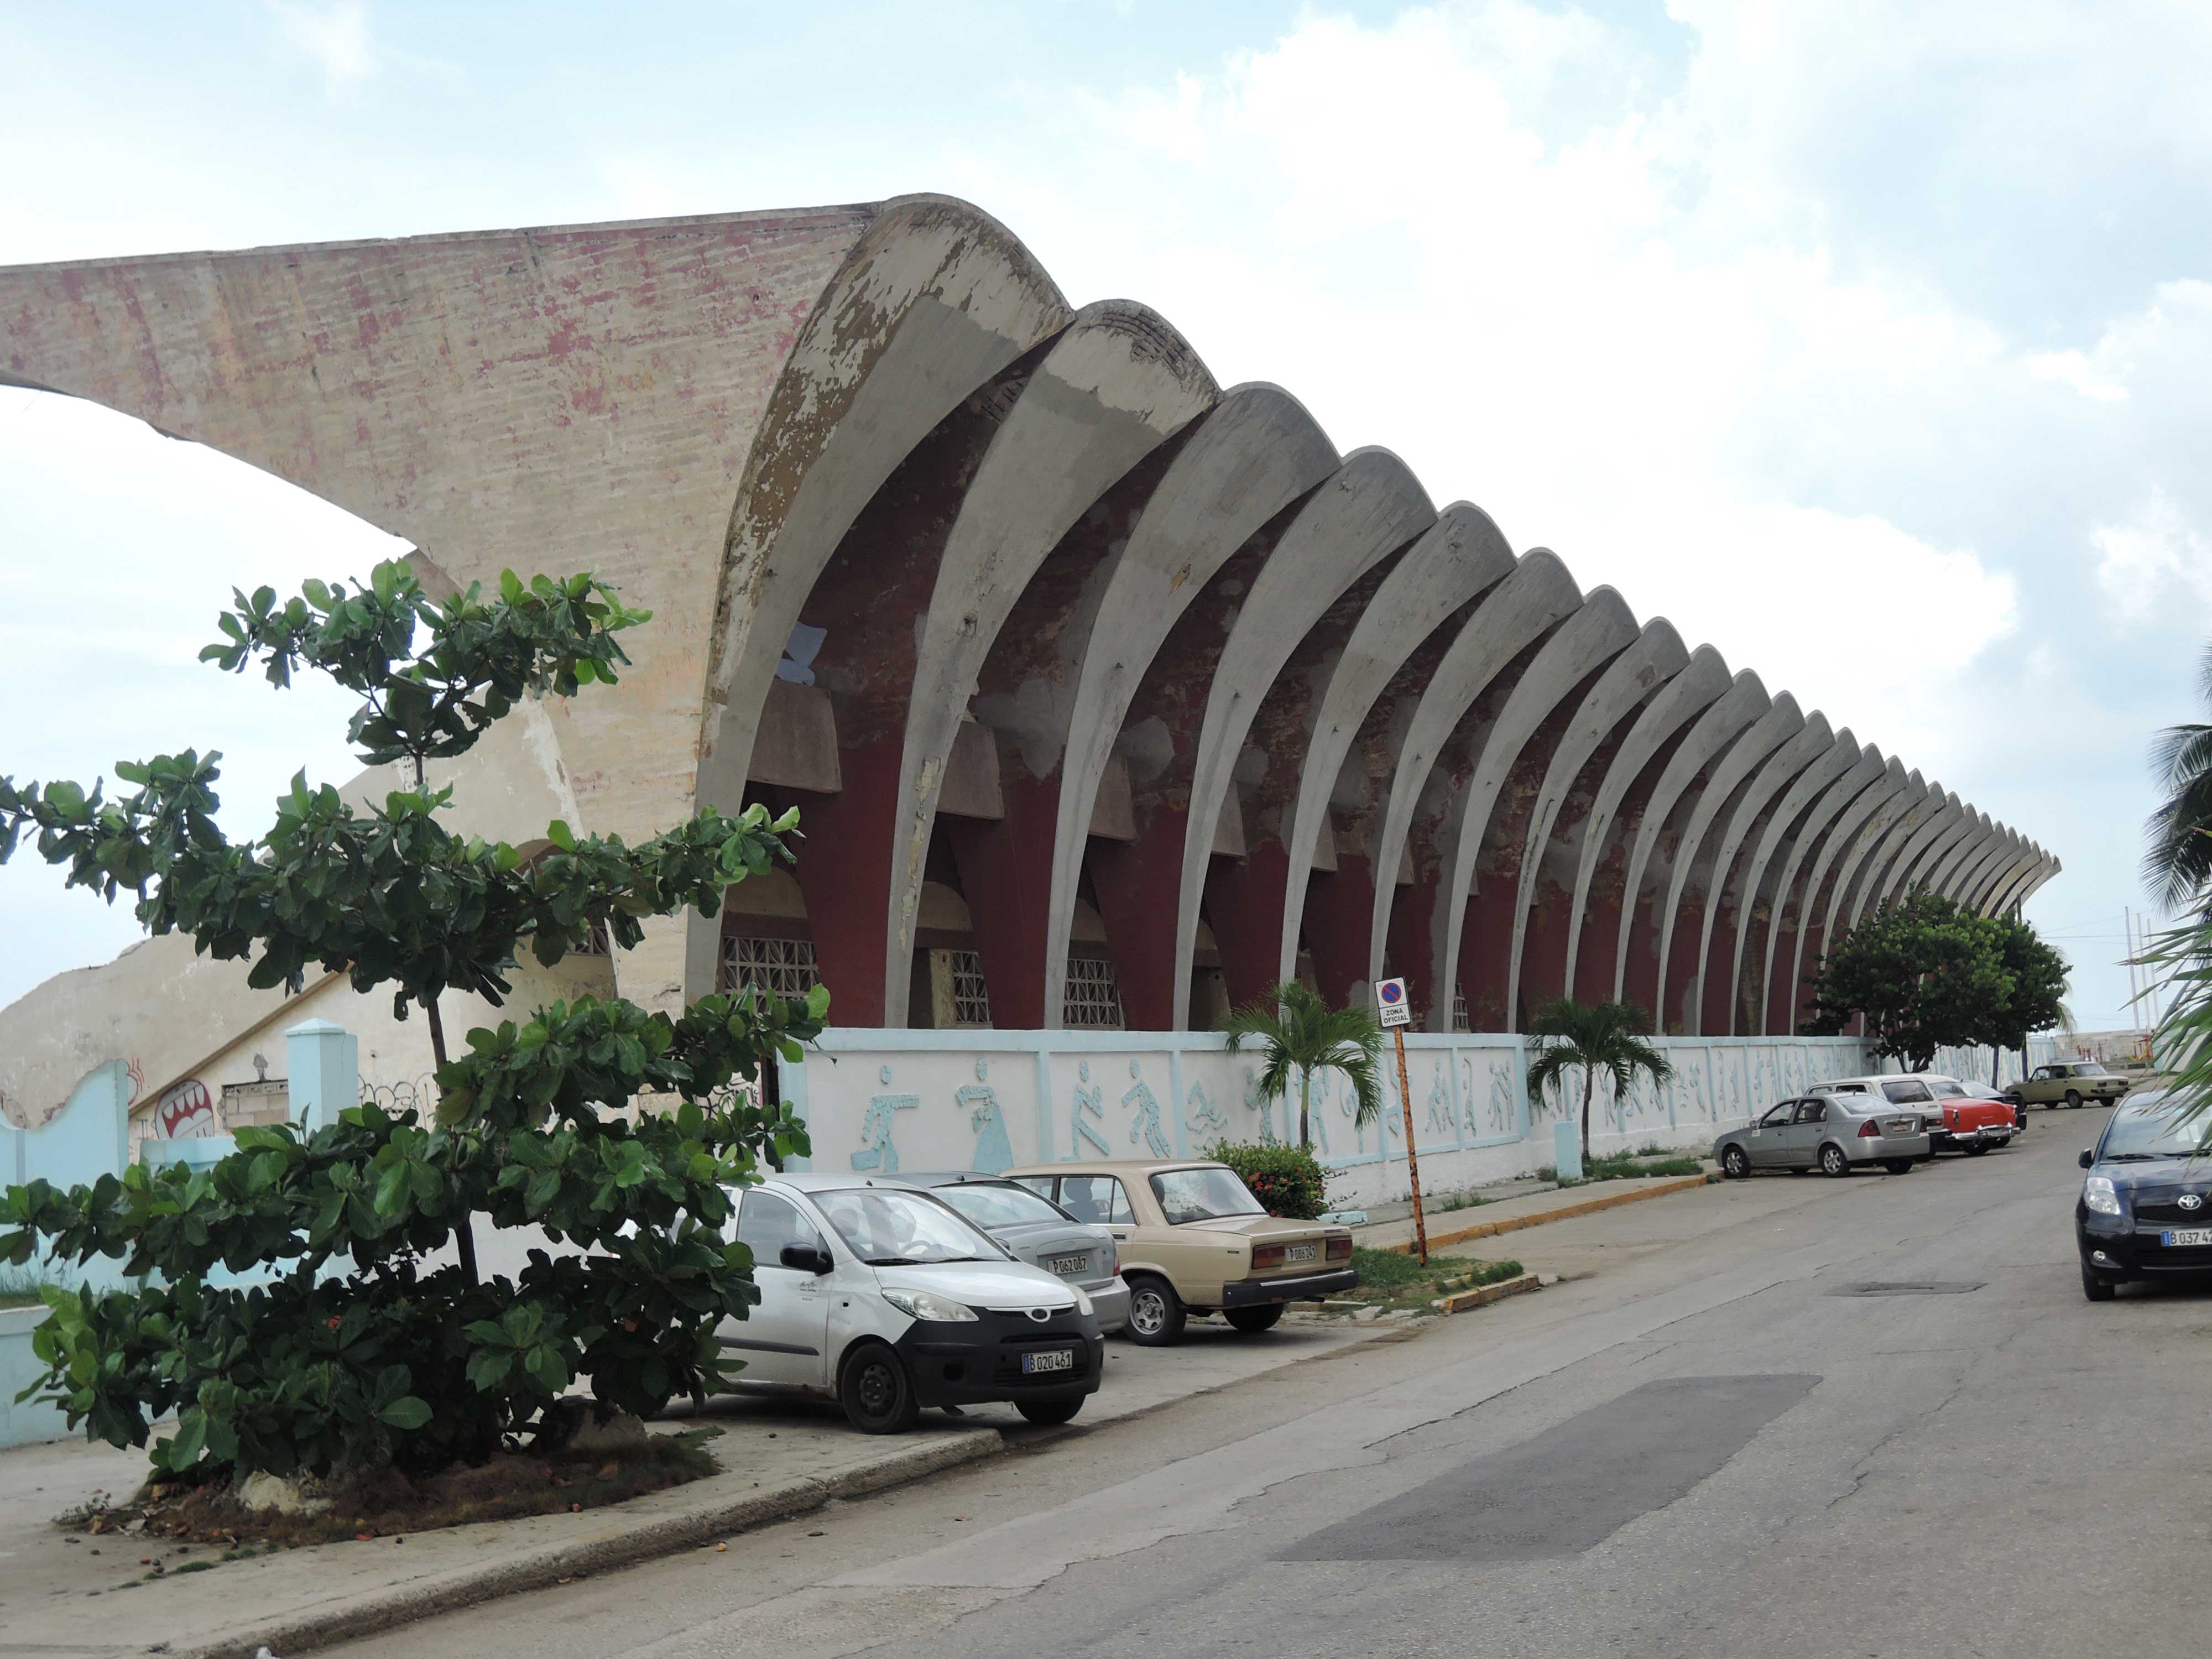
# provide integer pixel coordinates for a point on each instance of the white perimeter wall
(890, 1100)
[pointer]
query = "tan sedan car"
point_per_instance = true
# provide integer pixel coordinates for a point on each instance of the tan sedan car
(1192, 1239)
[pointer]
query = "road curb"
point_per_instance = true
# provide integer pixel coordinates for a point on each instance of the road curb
(1565, 1212)
(705, 1521)
(1483, 1295)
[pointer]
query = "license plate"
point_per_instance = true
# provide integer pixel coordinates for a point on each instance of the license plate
(1902, 1126)
(2181, 1237)
(1041, 1360)
(1067, 1266)
(1302, 1253)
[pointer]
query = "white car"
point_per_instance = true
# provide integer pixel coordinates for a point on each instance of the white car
(889, 1300)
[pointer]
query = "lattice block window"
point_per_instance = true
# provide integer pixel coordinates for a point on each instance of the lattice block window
(1458, 1009)
(779, 967)
(957, 995)
(598, 945)
(1093, 999)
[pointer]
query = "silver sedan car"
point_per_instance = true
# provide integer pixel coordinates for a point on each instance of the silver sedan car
(1832, 1134)
(1041, 1233)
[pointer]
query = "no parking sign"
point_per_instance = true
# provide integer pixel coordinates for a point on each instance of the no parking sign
(1390, 999)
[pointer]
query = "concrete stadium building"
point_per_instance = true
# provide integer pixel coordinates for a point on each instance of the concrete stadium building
(1109, 696)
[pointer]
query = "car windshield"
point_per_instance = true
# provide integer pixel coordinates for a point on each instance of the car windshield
(999, 1203)
(888, 1228)
(2153, 1134)
(1187, 1196)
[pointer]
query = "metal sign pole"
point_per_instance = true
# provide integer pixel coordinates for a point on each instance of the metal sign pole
(1413, 1158)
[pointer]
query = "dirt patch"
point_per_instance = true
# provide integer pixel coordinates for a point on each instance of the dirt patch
(384, 1504)
(1393, 1280)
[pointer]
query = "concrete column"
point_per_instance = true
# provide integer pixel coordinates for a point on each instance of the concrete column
(322, 1071)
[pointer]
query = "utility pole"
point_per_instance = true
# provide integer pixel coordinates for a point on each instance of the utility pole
(1396, 1014)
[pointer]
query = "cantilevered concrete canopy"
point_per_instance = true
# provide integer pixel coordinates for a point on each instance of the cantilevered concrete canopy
(1107, 695)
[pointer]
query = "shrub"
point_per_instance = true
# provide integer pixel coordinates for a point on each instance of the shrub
(349, 1347)
(1288, 1179)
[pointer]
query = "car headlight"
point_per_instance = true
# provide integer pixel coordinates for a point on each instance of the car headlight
(1082, 1299)
(921, 1304)
(2097, 1194)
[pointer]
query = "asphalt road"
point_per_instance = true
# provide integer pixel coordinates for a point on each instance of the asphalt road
(1869, 1417)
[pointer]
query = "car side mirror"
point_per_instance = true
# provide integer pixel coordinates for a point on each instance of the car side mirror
(807, 1258)
(2088, 1156)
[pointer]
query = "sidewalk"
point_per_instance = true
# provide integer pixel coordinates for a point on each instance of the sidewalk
(1527, 1209)
(779, 1457)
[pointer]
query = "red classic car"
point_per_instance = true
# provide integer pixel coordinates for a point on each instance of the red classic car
(1975, 1116)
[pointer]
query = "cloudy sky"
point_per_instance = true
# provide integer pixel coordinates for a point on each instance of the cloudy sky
(1867, 341)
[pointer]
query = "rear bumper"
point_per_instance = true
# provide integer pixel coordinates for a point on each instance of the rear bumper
(1861, 1149)
(1306, 1287)
(1109, 1305)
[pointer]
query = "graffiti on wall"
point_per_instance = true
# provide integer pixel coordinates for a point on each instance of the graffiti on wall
(186, 1111)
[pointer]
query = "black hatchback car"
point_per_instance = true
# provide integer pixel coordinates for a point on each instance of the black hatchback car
(2146, 1208)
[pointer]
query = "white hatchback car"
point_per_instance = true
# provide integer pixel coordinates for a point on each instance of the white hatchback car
(889, 1300)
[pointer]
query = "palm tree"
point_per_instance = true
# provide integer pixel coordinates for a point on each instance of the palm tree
(1300, 1032)
(1605, 1036)
(2178, 866)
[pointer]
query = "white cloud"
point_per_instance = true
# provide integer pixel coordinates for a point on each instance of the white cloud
(2155, 559)
(335, 35)
(2074, 368)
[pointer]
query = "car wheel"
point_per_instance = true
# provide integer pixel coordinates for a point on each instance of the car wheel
(2072, 1100)
(1156, 1312)
(876, 1391)
(1735, 1163)
(1978, 1149)
(1049, 1412)
(1256, 1319)
(1832, 1161)
(1898, 1165)
(2096, 1289)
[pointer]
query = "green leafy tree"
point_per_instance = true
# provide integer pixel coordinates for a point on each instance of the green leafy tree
(1297, 1032)
(348, 1345)
(1924, 972)
(2178, 866)
(2035, 997)
(1593, 1037)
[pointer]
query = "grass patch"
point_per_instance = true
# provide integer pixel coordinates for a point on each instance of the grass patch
(1642, 1165)
(19, 1289)
(1395, 1281)
(383, 1502)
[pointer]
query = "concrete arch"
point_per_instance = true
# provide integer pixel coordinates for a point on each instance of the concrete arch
(1981, 879)
(1975, 874)
(1536, 598)
(1663, 723)
(1373, 508)
(1055, 686)
(1888, 885)
(1638, 675)
(1708, 1002)
(1945, 872)
(1462, 556)
(2049, 869)
(1729, 718)
(1837, 864)
(1117, 383)
(1859, 884)
(934, 299)
(1829, 817)
(1793, 818)
(1583, 645)
(1777, 732)
(2025, 875)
